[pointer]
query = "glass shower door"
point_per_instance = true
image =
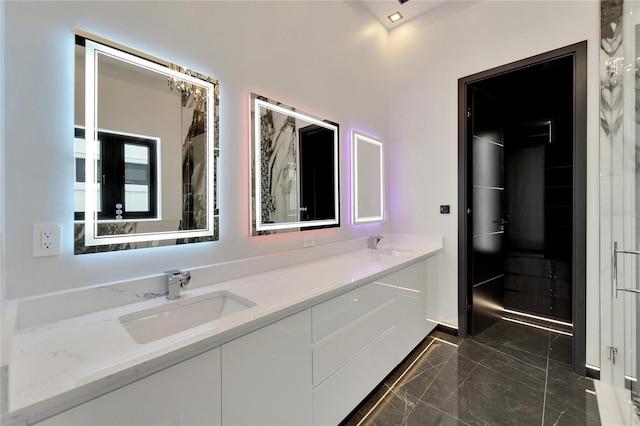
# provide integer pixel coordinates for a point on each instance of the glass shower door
(620, 201)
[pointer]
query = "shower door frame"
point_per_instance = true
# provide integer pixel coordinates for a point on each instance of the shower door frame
(619, 207)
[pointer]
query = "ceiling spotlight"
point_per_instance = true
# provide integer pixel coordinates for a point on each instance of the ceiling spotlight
(402, 1)
(395, 17)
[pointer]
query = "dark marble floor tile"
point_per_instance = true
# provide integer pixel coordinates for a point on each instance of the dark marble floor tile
(437, 354)
(538, 361)
(572, 410)
(416, 353)
(508, 375)
(427, 415)
(560, 348)
(446, 336)
(455, 372)
(487, 397)
(420, 367)
(378, 404)
(562, 382)
(518, 336)
(420, 377)
(512, 367)
(474, 350)
(386, 407)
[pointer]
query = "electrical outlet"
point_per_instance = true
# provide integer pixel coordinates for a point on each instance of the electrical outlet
(309, 242)
(46, 239)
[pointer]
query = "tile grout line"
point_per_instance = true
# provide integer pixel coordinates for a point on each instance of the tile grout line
(437, 374)
(445, 413)
(394, 384)
(501, 373)
(491, 348)
(546, 379)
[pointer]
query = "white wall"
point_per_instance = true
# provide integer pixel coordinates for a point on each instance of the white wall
(326, 58)
(427, 56)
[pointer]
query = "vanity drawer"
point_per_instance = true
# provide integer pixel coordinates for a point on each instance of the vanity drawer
(333, 315)
(409, 284)
(409, 281)
(334, 398)
(346, 343)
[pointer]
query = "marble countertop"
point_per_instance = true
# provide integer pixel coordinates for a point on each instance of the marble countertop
(72, 360)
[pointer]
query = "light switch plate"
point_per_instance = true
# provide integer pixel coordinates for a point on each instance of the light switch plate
(46, 239)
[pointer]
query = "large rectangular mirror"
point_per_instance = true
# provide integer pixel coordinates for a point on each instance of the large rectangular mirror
(367, 179)
(294, 169)
(146, 150)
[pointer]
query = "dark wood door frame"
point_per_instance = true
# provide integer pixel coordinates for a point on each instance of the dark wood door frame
(578, 52)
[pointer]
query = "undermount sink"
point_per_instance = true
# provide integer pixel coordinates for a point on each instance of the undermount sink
(393, 252)
(180, 315)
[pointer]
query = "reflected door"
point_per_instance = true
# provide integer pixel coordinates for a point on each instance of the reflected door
(317, 177)
(487, 258)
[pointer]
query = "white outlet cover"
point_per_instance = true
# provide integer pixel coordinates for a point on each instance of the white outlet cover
(38, 246)
(309, 242)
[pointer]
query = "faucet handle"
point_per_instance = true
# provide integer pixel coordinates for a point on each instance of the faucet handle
(185, 279)
(182, 277)
(174, 273)
(373, 241)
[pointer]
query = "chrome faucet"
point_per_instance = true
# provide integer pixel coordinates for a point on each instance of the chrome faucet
(175, 281)
(373, 241)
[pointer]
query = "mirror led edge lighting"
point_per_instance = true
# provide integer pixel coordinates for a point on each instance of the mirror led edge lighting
(92, 50)
(356, 218)
(257, 164)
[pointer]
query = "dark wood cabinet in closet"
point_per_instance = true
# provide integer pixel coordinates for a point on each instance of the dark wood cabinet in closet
(538, 194)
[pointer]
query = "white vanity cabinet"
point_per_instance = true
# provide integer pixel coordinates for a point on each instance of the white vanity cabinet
(186, 394)
(361, 336)
(310, 368)
(266, 375)
(354, 337)
(409, 285)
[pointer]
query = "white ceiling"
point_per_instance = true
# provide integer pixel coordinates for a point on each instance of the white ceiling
(409, 10)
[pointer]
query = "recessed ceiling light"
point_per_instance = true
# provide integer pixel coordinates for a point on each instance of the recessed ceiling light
(395, 17)
(402, 1)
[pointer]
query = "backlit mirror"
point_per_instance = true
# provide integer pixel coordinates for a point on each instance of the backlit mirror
(294, 169)
(367, 179)
(146, 150)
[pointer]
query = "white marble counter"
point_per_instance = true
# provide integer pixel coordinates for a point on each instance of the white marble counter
(55, 365)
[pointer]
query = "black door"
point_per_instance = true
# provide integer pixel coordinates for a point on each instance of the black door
(487, 211)
(477, 258)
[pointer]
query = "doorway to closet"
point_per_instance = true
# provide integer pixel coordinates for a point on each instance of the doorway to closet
(522, 196)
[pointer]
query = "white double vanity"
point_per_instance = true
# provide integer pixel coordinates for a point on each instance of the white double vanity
(298, 345)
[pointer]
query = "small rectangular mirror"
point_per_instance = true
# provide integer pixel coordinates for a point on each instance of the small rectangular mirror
(367, 179)
(294, 169)
(146, 150)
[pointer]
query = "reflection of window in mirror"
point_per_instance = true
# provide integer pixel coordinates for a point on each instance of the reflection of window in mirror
(127, 165)
(146, 149)
(367, 179)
